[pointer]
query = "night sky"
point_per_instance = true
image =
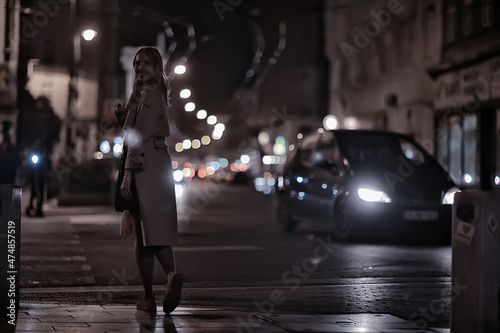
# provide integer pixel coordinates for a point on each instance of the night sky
(223, 51)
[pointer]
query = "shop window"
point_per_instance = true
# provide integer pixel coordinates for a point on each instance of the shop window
(441, 138)
(456, 136)
(471, 170)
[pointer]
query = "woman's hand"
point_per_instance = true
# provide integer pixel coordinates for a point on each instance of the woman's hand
(121, 114)
(125, 189)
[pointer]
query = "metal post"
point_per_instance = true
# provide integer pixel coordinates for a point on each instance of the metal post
(475, 255)
(10, 244)
(487, 139)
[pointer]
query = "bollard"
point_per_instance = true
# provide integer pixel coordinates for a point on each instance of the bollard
(475, 259)
(10, 244)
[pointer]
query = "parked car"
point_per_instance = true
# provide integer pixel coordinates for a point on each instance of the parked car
(363, 182)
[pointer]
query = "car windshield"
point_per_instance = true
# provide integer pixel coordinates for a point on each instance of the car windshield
(374, 149)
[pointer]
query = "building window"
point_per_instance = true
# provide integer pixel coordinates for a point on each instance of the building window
(430, 32)
(406, 47)
(486, 13)
(451, 24)
(375, 60)
(389, 49)
(467, 18)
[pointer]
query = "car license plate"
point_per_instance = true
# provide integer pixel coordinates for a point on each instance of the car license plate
(421, 215)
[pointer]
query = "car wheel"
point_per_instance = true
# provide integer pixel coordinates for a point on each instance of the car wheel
(285, 216)
(343, 221)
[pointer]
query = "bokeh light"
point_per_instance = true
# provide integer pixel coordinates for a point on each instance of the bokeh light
(89, 34)
(189, 107)
(186, 144)
(205, 140)
(185, 93)
(212, 120)
(201, 114)
(330, 122)
(180, 69)
(196, 144)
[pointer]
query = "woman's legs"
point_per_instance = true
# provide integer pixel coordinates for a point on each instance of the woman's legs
(145, 262)
(165, 257)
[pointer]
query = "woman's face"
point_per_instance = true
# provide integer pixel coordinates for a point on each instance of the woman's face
(143, 67)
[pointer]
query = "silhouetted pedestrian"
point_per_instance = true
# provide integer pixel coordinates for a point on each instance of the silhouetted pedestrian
(8, 156)
(39, 164)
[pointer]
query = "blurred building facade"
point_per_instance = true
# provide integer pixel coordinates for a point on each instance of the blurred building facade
(76, 75)
(424, 68)
(9, 57)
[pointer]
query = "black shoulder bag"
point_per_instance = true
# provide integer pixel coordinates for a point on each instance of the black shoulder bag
(122, 204)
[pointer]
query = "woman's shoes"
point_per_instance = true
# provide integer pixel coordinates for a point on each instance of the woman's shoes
(173, 295)
(147, 305)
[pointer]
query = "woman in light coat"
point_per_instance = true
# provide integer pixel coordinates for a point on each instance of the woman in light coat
(148, 164)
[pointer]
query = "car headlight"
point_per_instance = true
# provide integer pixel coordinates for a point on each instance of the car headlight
(449, 196)
(371, 195)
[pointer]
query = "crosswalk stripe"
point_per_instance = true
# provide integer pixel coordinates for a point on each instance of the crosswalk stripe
(217, 248)
(58, 265)
(28, 258)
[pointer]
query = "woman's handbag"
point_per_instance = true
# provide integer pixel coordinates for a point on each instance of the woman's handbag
(122, 204)
(128, 225)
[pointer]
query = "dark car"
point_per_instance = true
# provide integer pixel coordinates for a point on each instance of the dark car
(365, 182)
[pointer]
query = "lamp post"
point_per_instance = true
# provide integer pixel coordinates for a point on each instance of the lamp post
(75, 55)
(74, 59)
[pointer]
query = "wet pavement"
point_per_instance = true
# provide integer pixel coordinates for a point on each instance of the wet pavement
(125, 318)
(271, 308)
(322, 305)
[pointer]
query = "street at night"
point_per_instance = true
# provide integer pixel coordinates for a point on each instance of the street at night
(250, 166)
(234, 254)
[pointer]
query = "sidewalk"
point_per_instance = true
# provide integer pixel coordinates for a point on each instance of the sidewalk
(207, 309)
(333, 305)
(62, 317)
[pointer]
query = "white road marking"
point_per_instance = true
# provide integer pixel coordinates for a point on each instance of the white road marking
(217, 248)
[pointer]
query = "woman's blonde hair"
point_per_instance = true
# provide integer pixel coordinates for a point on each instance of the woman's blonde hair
(159, 76)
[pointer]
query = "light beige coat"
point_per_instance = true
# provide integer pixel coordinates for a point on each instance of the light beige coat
(147, 127)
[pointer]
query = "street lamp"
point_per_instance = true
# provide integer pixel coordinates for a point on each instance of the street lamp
(75, 56)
